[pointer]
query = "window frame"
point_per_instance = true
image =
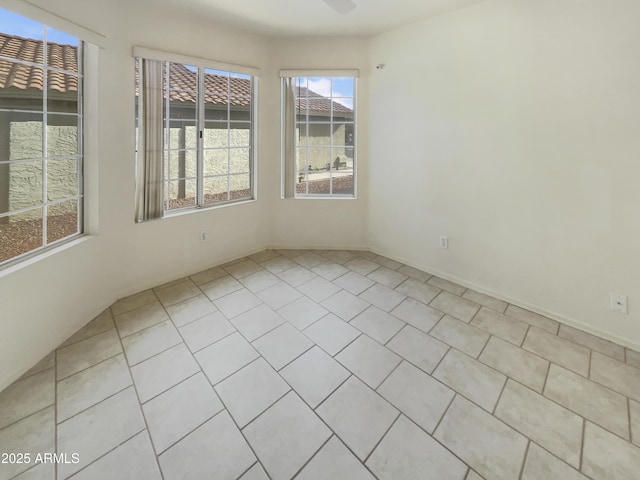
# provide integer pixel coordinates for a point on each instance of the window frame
(202, 65)
(80, 157)
(330, 74)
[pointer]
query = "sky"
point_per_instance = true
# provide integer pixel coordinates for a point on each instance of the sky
(15, 24)
(335, 87)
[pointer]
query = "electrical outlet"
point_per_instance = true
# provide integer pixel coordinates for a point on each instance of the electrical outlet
(204, 236)
(444, 242)
(618, 302)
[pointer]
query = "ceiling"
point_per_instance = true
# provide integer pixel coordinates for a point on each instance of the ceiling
(315, 17)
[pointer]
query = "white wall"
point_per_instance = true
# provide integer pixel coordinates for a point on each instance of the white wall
(512, 127)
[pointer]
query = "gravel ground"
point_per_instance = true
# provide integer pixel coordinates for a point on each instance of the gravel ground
(23, 236)
(341, 185)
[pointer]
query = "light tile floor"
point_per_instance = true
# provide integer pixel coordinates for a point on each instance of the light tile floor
(325, 365)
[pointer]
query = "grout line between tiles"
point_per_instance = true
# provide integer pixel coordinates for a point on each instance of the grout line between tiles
(383, 436)
(313, 455)
(524, 459)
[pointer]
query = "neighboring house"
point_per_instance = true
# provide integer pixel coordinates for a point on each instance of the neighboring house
(21, 121)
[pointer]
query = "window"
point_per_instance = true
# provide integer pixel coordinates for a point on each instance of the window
(41, 157)
(207, 139)
(320, 143)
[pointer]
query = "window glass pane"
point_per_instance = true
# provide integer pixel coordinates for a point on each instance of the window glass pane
(182, 164)
(215, 189)
(14, 24)
(319, 134)
(302, 156)
(20, 135)
(20, 86)
(183, 134)
(216, 81)
(216, 135)
(62, 220)
(319, 159)
(342, 109)
(239, 186)
(240, 160)
(62, 135)
(216, 162)
(217, 111)
(182, 193)
(62, 93)
(20, 185)
(20, 233)
(183, 77)
(342, 87)
(239, 134)
(62, 178)
(301, 183)
(342, 134)
(343, 183)
(61, 38)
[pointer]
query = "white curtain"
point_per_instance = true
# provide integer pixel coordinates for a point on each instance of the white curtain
(289, 140)
(150, 142)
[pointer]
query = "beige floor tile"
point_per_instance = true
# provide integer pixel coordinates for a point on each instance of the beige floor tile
(361, 265)
(417, 314)
(309, 260)
(616, 375)
(257, 322)
(86, 353)
(282, 345)
(378, 324)
(279, 295)
(101, 323)
(490, 447)
(27, 396)
(140, 318)
(225, 357)
(180, 410)
(42, 471)
(331, 333)
(485, 300)
(278, 264)
(422, 350)
(446, 285)
(414, 273)
(314, 376)
(339, 256)
(286, 436)
(458, 334)
(455, 306)
(178, 292)
(296, 276)
(206, 330)
(220, 287)
(407, 453)
(134, 301)
(471, 378)
(132, 459)
(501, 325)
(418, 290)
(514, 362)
(417, 395)
(354, 283)
(190, 310)
(473, 476)
(256, 282)
(319, 289)
(387, 262)
(214, 450)
(606, 456)
(558, 350)
(151, 341)
(540, 464)
(345, 305)
(534, 319)
(208, 275)
(45, 364)
(89, 387)
(387, 277)
(329, 271)
(368, 360)
(590, 341)
(249, 392)
(633, 358)
(159, 373)
(99, 429)
(334, 461)
(634, 411)
(263, 256)
(382, 297)
(302, 312)
(242, 268)
(543, 421)
(33, 434)
(358, 415)
(589, 399)
(255, 473)
(236, 303)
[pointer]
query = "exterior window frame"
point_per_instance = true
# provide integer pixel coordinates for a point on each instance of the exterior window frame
(80, 196)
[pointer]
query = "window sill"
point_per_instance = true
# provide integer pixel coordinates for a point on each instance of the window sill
(188, 211)
(323, 197)
(40, 255)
